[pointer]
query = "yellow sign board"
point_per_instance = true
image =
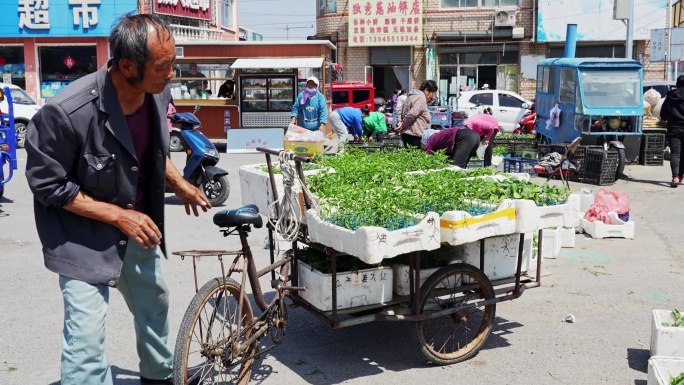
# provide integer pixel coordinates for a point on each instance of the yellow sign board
(385, 22)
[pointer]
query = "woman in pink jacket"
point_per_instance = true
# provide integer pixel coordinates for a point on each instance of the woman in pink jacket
(486, 126)
(415, 117)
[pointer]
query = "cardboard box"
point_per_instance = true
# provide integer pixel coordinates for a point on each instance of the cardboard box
(304, 148)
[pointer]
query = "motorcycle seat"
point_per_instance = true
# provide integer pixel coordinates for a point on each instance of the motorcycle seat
(246, 215)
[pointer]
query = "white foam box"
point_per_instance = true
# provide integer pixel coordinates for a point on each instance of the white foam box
(567, 235)
(255, 186)
(600, 230)
(530, 217)
(402, 284)
(666, 340)
(660, 369)
(358, 288)
(501, 255)
(459, 227)
(551, 243)
(372, 244)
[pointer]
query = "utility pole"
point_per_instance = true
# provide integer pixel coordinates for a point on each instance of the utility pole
(288, 28)
(630, 31)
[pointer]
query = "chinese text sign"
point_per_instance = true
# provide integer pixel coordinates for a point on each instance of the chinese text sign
(385, 22)
(25, 18)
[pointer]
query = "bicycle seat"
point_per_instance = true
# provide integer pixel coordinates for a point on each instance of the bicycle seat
(246, 215)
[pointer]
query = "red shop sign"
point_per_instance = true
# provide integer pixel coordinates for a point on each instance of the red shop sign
(196, 9)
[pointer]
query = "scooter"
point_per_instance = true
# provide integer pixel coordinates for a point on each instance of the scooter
(200, 166)
(528, 123)
(8, 141)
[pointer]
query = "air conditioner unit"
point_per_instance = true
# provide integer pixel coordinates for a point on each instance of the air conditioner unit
(504, 18)
(179, 52)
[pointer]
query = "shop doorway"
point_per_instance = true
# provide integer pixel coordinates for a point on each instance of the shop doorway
(387, 79)
(61, 65)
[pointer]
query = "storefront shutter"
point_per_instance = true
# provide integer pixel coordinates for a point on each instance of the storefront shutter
(394, 56)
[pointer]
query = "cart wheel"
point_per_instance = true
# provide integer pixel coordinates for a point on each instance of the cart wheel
(204, 352)
(457, 336)
(622, 161)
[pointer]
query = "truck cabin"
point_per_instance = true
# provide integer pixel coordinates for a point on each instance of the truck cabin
(353, 94)
(596, 97)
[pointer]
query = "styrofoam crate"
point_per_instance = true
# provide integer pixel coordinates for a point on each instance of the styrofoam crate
(551, 243)
(660, 369)
(666, 340)
(372, 244)
(501, 255)
(567, 235)
(358, 288)
(255, 186)
(530, 217)
(600, 230)
(459, 227)
(402, 284)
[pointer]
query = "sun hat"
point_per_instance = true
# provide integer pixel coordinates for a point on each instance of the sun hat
(426, 135)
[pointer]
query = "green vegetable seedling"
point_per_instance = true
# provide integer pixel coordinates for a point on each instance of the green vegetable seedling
(678, 322)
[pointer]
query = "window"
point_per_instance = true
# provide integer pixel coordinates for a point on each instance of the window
(359, 96)
(506, 100)
(552, 81)
(547, 72)
(327, 6)
(227, 14)
(340, 97)
(616, 88)
(479, 3)
(540, 79)
(202, 81)
(486, 99)
(20, 97)
(567, 90)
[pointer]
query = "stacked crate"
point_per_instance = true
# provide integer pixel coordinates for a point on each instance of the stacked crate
(652, 149)
(596, 165)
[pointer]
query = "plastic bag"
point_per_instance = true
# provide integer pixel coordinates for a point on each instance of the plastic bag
(299, 134)
(652, 97)
(656, 109)
(481, 150)
(612, 201)
(597, 213)
(554, 117)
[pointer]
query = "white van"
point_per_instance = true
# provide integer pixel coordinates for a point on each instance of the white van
(24, 109)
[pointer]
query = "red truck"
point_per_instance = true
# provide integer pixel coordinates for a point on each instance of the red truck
(353, 94)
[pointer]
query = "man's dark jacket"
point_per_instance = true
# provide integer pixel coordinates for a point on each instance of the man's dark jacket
(672, 110)
(79, 140)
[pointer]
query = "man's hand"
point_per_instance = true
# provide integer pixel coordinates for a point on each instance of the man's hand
(191, 197)
(398, 127)
(293, 120)
(322, 128)
(187, 193)
(139, 227)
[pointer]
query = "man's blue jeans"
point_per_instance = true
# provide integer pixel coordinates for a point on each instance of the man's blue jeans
(85, 307)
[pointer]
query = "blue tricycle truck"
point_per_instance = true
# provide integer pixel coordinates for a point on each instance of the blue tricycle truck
(597, 99)
(8, 141)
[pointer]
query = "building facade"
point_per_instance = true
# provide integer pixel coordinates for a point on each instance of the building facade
(46, 45)
(465, 44)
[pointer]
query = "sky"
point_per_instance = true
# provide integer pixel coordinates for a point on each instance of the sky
(271, 18)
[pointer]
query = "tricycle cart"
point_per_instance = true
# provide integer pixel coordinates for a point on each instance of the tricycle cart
(8, 141)
(453, 308)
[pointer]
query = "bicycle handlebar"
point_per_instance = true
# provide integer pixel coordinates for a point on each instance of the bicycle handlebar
(304, 159)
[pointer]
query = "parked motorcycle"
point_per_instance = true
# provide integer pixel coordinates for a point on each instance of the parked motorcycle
(200, 166)
(528, 123)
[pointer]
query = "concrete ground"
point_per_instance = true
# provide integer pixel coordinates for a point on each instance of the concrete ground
(608, 343)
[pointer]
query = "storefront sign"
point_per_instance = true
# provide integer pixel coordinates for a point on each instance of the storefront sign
(657, 45)
(56, 18)
(385, 22)
(196, 9)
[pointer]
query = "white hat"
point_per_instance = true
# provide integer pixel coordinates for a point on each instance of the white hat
(312, 79)
(426, 135)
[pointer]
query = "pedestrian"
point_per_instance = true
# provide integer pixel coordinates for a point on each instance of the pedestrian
(485, 86)
(373, 123)
(393, 99)
(97, 164)
(459, 143)
(310, 107)
(415, 117)
(487, 127)
(672, 112)
(196, 86)
(396, 115)
(345, 121)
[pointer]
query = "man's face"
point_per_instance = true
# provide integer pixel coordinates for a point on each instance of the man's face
(159, 67)
(192, 69)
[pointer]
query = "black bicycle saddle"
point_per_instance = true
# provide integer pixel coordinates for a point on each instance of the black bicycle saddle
(246, 215)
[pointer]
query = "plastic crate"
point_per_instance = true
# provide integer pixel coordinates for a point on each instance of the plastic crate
(475, 163)
(652, 142)
(652, 158)
(520, 165)
(387, 136)
(599, 166)
(391, 146)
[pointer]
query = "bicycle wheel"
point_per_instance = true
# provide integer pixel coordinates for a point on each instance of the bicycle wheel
(204, 352)
(457, 336)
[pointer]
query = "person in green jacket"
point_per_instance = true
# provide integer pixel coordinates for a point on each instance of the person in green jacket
(373, 122)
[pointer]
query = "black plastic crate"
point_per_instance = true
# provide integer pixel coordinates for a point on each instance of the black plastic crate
(600, 166)
(383, 136)
(520, 165)
(652, 142)
(652, 158)
(475, 163)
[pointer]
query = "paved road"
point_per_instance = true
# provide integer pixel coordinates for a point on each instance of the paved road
(608, 344)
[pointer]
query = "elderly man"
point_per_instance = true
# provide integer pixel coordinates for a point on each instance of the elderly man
(97, 165)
